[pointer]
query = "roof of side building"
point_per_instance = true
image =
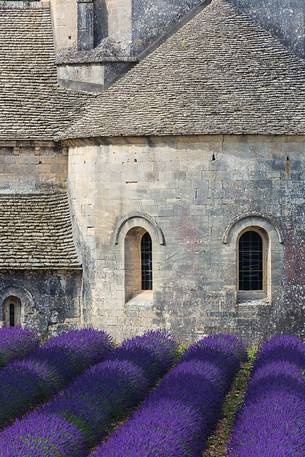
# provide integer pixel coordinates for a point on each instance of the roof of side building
(36, 232)
(221, 73)
(33, 106)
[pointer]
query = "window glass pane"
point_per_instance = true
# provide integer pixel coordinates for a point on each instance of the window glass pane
(146, 262)
(12, 315)
(250, 261)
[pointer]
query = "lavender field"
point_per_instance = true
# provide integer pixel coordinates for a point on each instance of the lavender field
(79, 394)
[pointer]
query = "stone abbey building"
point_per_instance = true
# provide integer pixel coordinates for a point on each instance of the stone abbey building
(152, 166)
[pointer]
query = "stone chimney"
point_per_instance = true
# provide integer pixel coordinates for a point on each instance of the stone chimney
(85, 25)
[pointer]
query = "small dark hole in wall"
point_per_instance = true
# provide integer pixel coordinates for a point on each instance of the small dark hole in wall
(40, 162)
(135, 160)
(287, 159)
(69, 37)
(213, 158)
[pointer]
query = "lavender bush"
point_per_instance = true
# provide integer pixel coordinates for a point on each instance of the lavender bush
(45, 371)
(285, 348)
(271, 422)
(154, 352)
(178, 417)
(15, 343)
(72, 352)
(101, 395)
(42, 436)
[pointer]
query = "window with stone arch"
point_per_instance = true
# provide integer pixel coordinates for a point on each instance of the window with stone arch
(138, 252)
(12, 312)
(253, 262)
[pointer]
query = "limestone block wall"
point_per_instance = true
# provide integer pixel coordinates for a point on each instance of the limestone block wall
(64, 15)
(30, 167)
(50, 301)
(138, 23)
(284, 19)
(194, 195)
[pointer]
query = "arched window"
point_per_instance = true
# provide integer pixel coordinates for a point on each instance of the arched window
(146, 262)
(251, 261)
(12, 312)
(138, 262)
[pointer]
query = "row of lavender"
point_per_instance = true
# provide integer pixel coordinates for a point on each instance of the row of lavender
(178, 417)
(47, 369)
(15, 343)
(174, 420)
(271, 422)
(82, 414)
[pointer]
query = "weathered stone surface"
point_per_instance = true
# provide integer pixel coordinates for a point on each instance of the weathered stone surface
(50, 301)
(286, 20)
(194, 188)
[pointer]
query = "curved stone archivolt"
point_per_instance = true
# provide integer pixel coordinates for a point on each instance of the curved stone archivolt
(261, 220)
(137, 219)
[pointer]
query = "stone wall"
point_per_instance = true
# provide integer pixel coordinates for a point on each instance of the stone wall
(30, 167)
(136, 24)
(161, 15)
(64, 15)
(194, 195)
(284, 19)
(50, 301)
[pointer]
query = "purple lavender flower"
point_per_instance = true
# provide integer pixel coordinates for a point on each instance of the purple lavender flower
(103, 394)
(272, 427)
(155, 352)
(24, 384)
(271, 422)
(282, 348)
(72, 352)
(166, 428)
(111, 388)
(42, 436)
(15, 343)
(179, 415)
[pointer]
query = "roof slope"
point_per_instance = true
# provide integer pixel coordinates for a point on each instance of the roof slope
(36, 232)
(32, 105)
(220, 73)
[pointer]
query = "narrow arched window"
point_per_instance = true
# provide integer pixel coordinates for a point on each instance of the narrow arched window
(251, 261)
(11, 312)
(12, 315)
(146, 262)
(138, 263)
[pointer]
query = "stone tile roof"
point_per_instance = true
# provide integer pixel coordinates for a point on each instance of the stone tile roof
(32, 105)
(36, 232)
(219, 74)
